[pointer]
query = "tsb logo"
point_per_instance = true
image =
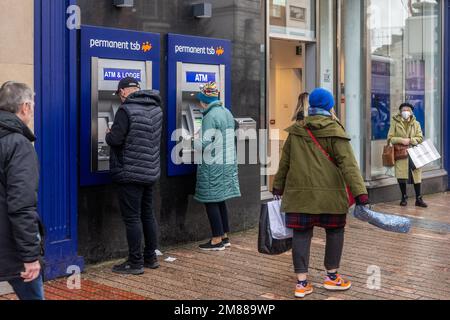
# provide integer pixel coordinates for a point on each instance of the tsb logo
(220, 51)
(147, 46)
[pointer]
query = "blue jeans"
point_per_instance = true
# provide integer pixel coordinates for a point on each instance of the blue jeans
(28, 290)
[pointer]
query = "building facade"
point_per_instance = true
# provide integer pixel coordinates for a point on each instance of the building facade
(373, 55)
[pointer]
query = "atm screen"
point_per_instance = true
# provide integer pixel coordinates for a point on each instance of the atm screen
(198, 124)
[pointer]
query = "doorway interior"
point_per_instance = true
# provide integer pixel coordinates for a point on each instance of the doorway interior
(286, 82)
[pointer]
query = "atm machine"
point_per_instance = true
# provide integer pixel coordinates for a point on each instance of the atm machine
(189, 116)
(107, 56)
(192, 62)
(104, 103)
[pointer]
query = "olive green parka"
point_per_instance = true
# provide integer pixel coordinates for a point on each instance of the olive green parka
(309, 181)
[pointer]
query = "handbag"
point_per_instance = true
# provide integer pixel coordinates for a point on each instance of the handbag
(400, 152)
(388, 156)
(266, 243)
(351, 198)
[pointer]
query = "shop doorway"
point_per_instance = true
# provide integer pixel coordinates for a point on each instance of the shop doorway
(287, 78)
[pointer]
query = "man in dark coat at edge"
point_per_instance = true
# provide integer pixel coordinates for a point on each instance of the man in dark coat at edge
(21, 232)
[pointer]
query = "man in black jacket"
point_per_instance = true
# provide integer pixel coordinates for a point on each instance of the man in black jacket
(20, 228)
(135, 140)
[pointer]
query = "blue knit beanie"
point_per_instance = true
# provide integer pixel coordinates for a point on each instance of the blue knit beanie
(321, 98)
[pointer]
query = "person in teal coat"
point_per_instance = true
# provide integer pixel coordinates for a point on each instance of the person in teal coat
(217, 174)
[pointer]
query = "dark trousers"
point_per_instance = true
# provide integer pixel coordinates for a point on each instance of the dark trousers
(218, 218)
(33, 290)
(301, 246)
(417, 188)
(137, 212)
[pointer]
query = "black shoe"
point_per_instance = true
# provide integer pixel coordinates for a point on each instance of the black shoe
(226, 242)
(404, 203)
(421, 203)
(128, 268)
(151, 263)
(212, 247)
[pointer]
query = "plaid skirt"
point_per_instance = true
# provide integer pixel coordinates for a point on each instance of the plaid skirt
(302, 221)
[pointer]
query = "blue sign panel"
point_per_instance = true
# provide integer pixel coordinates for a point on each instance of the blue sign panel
(200, 77)
(192, 50)
(111, 74)
(108, 43)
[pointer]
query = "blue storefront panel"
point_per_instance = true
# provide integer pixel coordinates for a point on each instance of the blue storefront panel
(56, 127)
(112, 44)
(199, 51)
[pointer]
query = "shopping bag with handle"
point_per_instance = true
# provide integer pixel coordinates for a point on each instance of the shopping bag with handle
(423, 154)
(277, 220)
(267, 244)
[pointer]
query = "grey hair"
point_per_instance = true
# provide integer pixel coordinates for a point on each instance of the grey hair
(13, 95)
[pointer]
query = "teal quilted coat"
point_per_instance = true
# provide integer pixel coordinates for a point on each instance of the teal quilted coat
(217, 175)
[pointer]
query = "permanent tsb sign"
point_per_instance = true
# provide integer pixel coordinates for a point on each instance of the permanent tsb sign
(198, 49)
(117, 43)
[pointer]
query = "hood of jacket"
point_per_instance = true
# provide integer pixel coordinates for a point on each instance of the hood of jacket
(144, 97)
(321, 127)
(10, 123)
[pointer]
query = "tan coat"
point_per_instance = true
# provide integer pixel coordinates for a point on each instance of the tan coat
(401, 129)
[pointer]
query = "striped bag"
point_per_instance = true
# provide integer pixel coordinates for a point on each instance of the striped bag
(423, 154)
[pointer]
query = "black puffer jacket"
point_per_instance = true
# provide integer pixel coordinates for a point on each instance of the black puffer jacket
(20, 236)
(135, 144)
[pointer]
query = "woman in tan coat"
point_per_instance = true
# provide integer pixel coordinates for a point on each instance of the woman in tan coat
(405, 130)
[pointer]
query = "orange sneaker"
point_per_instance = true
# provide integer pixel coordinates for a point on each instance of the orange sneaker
(302, 291)
(337, 285)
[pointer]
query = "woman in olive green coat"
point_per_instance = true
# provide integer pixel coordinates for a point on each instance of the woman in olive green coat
(406, 130)
(313, 188)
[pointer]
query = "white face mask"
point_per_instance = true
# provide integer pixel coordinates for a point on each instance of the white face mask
(406, 115)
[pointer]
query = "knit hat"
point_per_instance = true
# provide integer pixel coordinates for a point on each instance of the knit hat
(406, 104)
(208, 93)
(321, 98)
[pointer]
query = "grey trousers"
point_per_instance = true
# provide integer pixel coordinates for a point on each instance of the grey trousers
(301, 246)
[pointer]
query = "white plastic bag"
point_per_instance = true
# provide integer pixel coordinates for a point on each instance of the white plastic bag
(423, 154)
(278, 221)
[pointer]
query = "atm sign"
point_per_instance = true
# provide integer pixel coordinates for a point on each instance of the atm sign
(110, 74)
(200, 77)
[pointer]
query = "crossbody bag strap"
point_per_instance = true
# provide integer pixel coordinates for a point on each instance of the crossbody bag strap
(351, 198)
(319, 146)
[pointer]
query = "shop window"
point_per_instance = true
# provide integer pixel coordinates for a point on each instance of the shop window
(292, 19)
(405, 49)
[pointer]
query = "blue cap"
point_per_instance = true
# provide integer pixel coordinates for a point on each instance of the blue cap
(321, 98)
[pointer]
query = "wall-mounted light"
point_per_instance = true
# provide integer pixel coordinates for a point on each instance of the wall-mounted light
(202, 10)
(124, 3)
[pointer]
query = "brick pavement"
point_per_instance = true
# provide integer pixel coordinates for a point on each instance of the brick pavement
(413, 266)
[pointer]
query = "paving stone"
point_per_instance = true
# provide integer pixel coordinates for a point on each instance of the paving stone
(414, 266)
